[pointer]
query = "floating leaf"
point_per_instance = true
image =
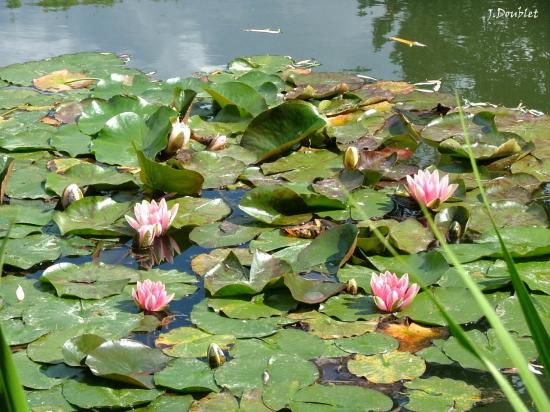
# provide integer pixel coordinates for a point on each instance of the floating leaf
(187, 342)
(276, 130)
(327, 328)
(38, 249)
(413, 337)
(387, 367)
(368, 344)
(332, 398)
(441, 394)
(350, 308)
(196, 377)
(62, 81)
(126, 361)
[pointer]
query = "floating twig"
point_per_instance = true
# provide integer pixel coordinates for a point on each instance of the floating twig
(409, 43)
(269, 31)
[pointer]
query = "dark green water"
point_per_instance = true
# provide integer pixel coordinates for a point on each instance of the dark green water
(502, 60)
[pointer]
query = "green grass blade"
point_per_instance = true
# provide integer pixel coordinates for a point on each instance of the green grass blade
(13, 396)
(538, 331)
(455, 328)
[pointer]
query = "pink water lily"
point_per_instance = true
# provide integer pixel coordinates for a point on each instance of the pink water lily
(428, 189)
(391, 293)
(151, 296)
(151, 220)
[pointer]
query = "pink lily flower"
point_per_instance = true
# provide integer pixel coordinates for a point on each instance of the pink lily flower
(151, 296)
(151, 220)
(391, 293)
(428, 189)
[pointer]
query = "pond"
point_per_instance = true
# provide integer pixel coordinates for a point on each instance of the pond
(291, 192)
(504, 61)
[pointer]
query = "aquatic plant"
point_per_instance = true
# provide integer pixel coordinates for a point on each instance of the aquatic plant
(427, 188)
(151, 220)
(180, 134)
(391, 293)
(151, 296)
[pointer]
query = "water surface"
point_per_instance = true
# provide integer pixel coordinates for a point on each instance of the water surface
(502, 60)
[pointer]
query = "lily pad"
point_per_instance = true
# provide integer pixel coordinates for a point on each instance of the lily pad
(332, 398)
(411, 236)
(240, 374)
(276, 130)
(196, 377)
(32, 374)
(158, 176)
(38, 249)
(197, 212)
(350, 308)
(213, 323)
(86, 174)
(94, 215)
(368, 344)
(86, 281)
(187, 342)
(259, 306)
(325, 327)
(218, 170)
(287, 375)
(126, 361)
(312, 288)
(91, 393)
(441, 394)
(387, 367)
(275, 205)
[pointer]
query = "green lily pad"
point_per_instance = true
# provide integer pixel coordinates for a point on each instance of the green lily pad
(94, 215)
(217, 170)
(38, 249)
(368, 344)
(96, 112)
(287, 375)
(489, 345)
(325, 327)
(275, 205)
(368, 203)
(197, 212)
(86, 281)
(240, 374)
(387, 367)
(71, 140)
(224, 234)
(204, 262)
(276, 130)
(332, 398)
(305, 166)
(197, 376)
(86, 174)
(91, 393)
(259, 306)
(361, 274)
(294, 342)
(48, 400)
(238, 94)
(158, 176)
(17, 332)
(126, 361)
(510, 312)
(313, 288)
(265, 63)
(213, 323)
(441, 394)
(76, 349)
(216, 402)
(350, 308)
(329, 251)
(32, 374)
(458, 302)
(411, 236)
(427, 267)
(187, 342)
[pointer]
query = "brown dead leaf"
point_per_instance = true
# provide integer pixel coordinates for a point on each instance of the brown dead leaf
(62, 81)
(309, 230)
(341, 119)
(50, 121)
(413, 337)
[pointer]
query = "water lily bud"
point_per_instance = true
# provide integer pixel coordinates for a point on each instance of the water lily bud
(216, 357)
(351, 158)
(351, 287)
(455, 232)
(265, 378)
(20, 293)
(71, 194)
(218, 143)
(179, 136)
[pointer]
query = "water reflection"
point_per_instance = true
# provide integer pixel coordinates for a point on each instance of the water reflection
(501, 60)
(504, 61)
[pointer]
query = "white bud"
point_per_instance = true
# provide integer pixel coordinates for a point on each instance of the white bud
(71, 194)
(179, 136)
(20, 293)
